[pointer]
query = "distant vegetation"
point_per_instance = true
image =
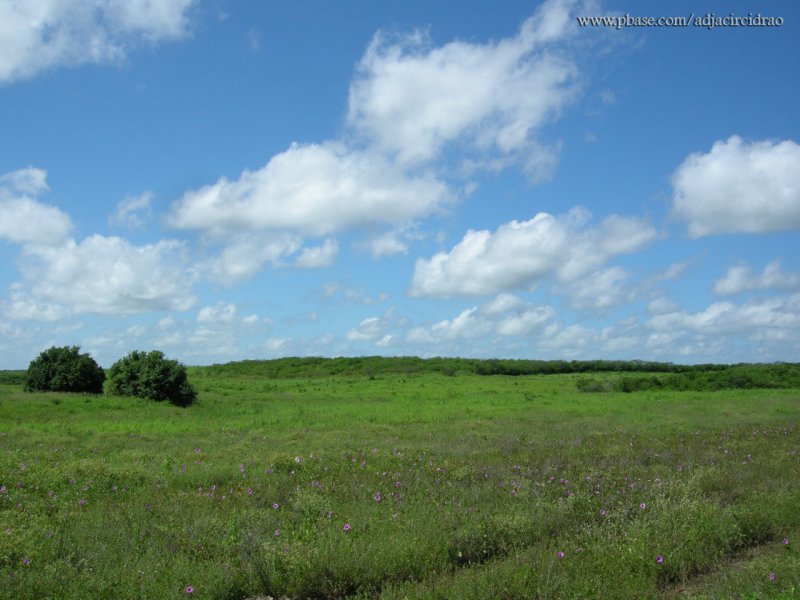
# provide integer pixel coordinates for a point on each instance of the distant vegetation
(730, 377)
(642, 374)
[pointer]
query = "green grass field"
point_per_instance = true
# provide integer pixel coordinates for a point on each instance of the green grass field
(400, 486)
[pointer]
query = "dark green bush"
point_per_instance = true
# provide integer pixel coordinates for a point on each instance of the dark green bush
(64, 369)
(150, 376)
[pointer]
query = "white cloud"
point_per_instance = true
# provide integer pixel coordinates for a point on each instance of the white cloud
(739, 186)
(275, 345)
(506, 315)
(740, 278)
(332, 289)
(133, 212)
(246, 253)
(43, 34)
(221, 313)
(101, 275)
(526, 322)
(24, 220)
(503, 303)
(520, 254)
(726, 318)
(386, 244)
(318, 256)
(410, 100)
(600, 290)
(468, 324)
(661, 305)
(369, 330)
(316, 190)
(374, 329)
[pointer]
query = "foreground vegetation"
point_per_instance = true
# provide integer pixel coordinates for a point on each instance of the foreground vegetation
(404, 484)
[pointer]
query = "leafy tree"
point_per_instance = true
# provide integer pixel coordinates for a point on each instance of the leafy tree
(64, 369)
(151, 376)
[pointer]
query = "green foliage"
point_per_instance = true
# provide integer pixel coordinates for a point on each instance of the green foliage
(64, 369)
(743, 376)
(372, 366)
(13, 377)
(150, 376)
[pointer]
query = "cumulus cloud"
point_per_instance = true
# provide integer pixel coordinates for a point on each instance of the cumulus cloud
(739, 187)
(519, 254)
(133, 212)
(333, 289)
(410, 99)
(740, 278)
(246, 253)
(318, 256)
(600, 290)
(222, 312)
(35, 36)
(375, 330)
(505, 315)
(369, 330)
(727, 318)
(466, 325)
(386, 244)
(315, 190)
(503, 303)
(101, 275)
(23, 219)
(526, 321)
(661, 305)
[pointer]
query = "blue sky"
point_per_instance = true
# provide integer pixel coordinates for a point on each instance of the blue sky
(226, 180)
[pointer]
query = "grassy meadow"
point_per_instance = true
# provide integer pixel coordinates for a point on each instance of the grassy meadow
(400, 485)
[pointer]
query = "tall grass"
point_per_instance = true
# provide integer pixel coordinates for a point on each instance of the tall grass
(395, 486)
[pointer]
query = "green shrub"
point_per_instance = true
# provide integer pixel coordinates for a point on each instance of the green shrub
(64, 369)
(150, 376)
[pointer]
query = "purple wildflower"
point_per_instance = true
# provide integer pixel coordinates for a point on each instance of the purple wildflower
(197, 450)
(81, 501)
(275, 505)
(560, 554)
(249, 491)
(659, 559)
(346, 527)
(189, 589)
(376, 496)
(26, 561)
(241, 467)
(643, 506)
(772, 576)
(785, 541)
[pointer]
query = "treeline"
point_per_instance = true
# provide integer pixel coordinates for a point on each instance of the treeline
(741, 376)
(12, 377)
(310, 367)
